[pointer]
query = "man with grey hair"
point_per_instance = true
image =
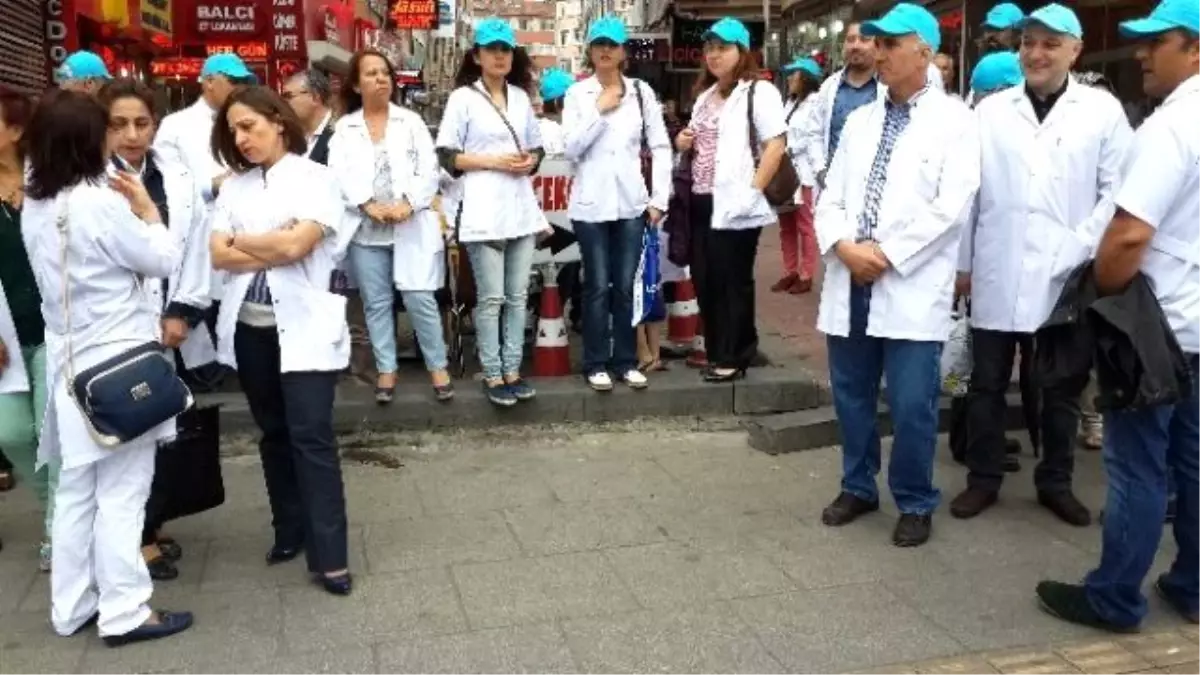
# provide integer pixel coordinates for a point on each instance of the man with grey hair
(309, 94)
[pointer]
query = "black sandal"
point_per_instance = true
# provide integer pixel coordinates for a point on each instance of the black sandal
(711, 375)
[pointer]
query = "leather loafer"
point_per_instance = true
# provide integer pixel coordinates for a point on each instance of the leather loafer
(341, 584)
(281, 554)
(846, 509)
(162, 569)
(169, 623)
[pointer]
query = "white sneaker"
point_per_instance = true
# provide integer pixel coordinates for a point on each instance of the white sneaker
(600, 381)
(635, 379)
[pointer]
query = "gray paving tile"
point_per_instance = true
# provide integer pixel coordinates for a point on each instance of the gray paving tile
(17, 576)
(29, 644)
(674, 574)
(524, 649)
(724, 466)
(420, 602)
(238, 563)
(474, 489)
(379, 496)
(414, 543)
(564, 528)
(702, 639)
(607, 479)
(531, 590)
(721, 514)
(174, 594)
(335, 660)
(837, 629)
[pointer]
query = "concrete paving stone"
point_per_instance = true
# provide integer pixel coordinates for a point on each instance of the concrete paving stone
(848, 627)
(316, 621)
(228, 520)
(806, 429)
(1192, 667)
(964, 664)
(897, 669)
(523, 649)
(472, 489)
(1101, 656)
(773, 390)
(170, 594)
(234, 626)
(566, 528)
(58, 659)
(1163, 649)
(733, 465)
(993, 540)
(596, 480)
(1028, 660)
(239, 563)
(420, 602)
(17, 573)
(333, 661)
(558, 400)
(1191, 631)
(532, 590)
(28, 644)
(381, 495)
(682, 574)
(678, 392)
(415, 543)
(726, 515)
(704, 639)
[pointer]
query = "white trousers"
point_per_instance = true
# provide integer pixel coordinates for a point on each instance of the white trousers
(97, 560)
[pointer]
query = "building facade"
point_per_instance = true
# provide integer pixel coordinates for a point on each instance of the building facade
(534, 21)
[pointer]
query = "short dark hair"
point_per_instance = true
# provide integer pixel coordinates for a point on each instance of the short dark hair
(316, 83)
(267, 103)
(67, 139)
(351, 98)
(16, 109)
(552, 107)
(521, 75)
(127, 87)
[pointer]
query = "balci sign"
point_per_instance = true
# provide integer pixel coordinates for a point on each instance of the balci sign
(239, 17)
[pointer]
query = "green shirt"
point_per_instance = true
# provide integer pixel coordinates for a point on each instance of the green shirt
(20, 286)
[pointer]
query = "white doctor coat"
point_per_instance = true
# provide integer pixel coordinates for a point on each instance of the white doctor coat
(109, 250)
(796, 115)
(417, 243)
(13, 379)
(553, 140)
(931, 181)
(1045, 197)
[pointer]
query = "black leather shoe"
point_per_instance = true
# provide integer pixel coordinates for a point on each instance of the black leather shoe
(281, 554)
(847, 508)
(1069, 602)
(170, 549)
(1064, 505)
(972, 502)
(341, 584)
(162, 569)
(912, 530)
(169, 623)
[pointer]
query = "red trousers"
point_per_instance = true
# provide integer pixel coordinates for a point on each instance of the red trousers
(798, 239)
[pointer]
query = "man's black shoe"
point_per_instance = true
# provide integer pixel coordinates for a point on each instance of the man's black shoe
(1064, 505)
(1069, 602)
(1176, 604)
(846, 508)
(972, 502)
(912, 529)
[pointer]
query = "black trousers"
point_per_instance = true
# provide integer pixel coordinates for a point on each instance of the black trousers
(299, 452)
(723, 273)
(993, 353)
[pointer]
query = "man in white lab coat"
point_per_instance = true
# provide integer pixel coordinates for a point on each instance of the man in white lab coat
(1051, 159)
(888, 222)
(1154, 232)
(309, 95)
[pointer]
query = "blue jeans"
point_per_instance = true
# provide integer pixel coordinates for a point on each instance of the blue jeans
(422, 310)
(1142, 450)
(501, 270)
(610, 253)
(371, 267)
(913, 371)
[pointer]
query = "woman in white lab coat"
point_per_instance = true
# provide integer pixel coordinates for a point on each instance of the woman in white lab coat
(489, 137)
(728, 207)
(184, 296)
(22, 330)
(384, 161)
(274, 230)
(796, 236)
(607, 118)
(110, 232)
(553, 87)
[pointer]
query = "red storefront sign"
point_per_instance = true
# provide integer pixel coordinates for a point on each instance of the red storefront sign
(415, 14)
(225, 20)
(61, 37)
(287, 26)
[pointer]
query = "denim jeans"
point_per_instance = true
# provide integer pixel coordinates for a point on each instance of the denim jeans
(20, 428)
(371, 267)
(610, 253)
(1142, 449)
(422, 310)
(501, 270)
(913, 373)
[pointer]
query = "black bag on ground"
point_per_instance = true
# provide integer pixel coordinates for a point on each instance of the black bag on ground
(187, 470)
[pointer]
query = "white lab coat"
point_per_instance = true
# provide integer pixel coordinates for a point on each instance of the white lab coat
(553, 139)
(795, 114)
(417, 243)
(1045, 197)
(814, 134)
(931, 180)
(736, 204)
(313, 334)
(496, 205)
(605, 151)
(13, 379)
(1161, 187)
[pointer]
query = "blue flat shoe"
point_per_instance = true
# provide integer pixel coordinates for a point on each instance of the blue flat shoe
(169, 623)
(341, 584)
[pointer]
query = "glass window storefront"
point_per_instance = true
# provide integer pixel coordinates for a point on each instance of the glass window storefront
(820, 38)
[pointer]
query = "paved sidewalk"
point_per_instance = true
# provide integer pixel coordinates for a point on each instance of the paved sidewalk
(790, 318)
(650, 547)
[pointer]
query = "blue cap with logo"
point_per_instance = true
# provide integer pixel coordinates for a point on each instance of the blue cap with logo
(83, 65)
(1003, 16)
(1167, 16)
(495, 31)
(729, 30)
(804, 64)
(998, 70)
(906, 19)
(555, 83)
(1057, 19)
(607, 28)
(227, 65)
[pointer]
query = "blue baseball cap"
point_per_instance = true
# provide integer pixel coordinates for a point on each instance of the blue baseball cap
(1168, 15)
(83, 65)
(228, 65)
(998, 70)
(1056, 18)
(1003, 16)
(805, 64)
(906, 19)
(729, 30)
(607, 28)
(555, 83)
(495, 31)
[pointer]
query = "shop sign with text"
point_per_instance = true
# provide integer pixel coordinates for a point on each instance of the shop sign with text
(246, 51)
(687, 42)
(415, 14)
(156, 16)
(287, 29)
(228, 18)
(58, 16)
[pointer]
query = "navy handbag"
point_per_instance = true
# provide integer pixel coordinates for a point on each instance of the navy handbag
(129, 394)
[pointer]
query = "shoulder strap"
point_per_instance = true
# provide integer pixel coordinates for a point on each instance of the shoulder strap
(487, 97)
(755, 152)
(637, 90)
(788, 119)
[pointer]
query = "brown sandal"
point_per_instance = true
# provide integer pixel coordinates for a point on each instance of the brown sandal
(655, 366)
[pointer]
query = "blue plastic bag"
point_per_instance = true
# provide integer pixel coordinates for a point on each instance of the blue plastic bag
(648, 305)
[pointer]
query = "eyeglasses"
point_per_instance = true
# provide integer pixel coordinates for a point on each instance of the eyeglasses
(289, 95)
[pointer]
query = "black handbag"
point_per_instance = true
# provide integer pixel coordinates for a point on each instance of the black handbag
(187, 470)
(129, 394)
